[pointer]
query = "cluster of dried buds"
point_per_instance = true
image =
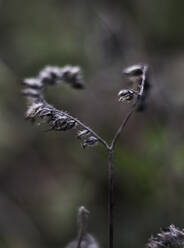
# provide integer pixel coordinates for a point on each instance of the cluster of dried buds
(39, 110)
(137, 76)
(170, 237)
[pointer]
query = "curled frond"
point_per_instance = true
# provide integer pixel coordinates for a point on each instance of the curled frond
(170, 237)
(58, 120)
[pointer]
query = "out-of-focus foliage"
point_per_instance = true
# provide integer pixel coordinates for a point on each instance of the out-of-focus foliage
(46, 176)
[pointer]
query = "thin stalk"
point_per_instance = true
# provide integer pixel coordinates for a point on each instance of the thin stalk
(111, 157)
(124, 122)
(111, 174)
(111, 199)
(90, 130)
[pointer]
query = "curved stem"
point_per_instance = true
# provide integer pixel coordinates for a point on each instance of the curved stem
(121, 128)
(111, 157)
(111, 174)
(90, 130)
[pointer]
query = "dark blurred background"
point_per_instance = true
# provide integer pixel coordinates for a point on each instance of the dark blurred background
(46, 176)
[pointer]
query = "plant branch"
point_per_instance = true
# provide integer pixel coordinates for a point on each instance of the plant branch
(132, 110)
(57, 119)
(111, 156)
(90, 130)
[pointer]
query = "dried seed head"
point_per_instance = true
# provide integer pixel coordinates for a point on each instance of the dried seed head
(170, 237)
(45, 112)
(82, 133)
(135, 74)
(50, 75)
(91, 141)
(34, 83)
(73, 76)
(33, 110)
(70, 74)
(134, 70)
(126, 95)
(31, 93)
(138, 76)
(61, 123)
(42, 112)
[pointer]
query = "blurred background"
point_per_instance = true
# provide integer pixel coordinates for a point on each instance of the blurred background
(46, 176)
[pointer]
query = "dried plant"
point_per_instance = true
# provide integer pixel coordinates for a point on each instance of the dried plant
(170, 237)
(84, 239)
(39, 109)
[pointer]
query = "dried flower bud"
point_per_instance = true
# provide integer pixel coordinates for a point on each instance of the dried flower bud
(31, 93)
(138, 76)
(61, 123)
(134, 70)
(50, 75)
(91, 141)
(33, 110)
(73, 76)
(126, 95)
(82, 133)
(170, 237)
(70, 74)
(45, 112)
(34, 83)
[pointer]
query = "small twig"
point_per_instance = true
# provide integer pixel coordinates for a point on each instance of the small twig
(90, 130)
(111, 156)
